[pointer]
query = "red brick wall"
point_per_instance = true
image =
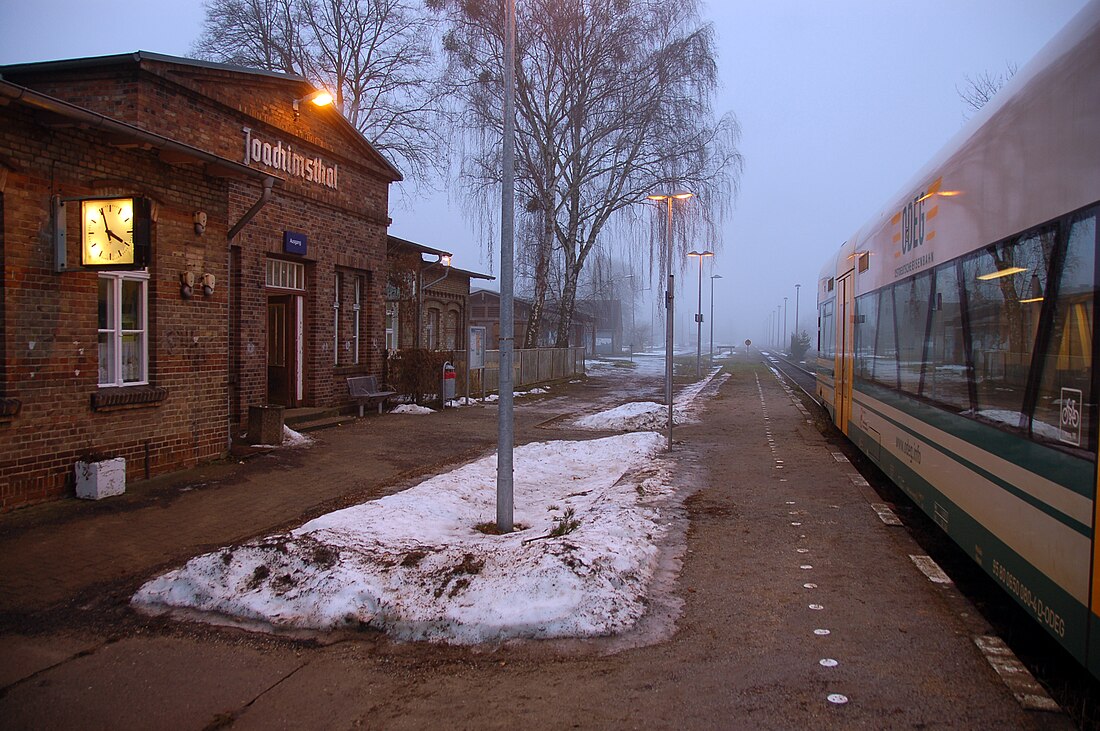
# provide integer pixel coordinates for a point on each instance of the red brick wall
(346, 227)
(50, 319)
(210, 353)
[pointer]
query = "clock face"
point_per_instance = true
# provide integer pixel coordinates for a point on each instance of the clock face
(108, 232)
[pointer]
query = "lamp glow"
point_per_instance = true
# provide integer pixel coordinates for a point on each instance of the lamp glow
(1001, 273)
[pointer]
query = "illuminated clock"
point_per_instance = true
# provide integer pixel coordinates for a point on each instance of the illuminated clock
(107, 232)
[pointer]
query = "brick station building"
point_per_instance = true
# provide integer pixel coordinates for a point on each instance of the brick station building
(426, 300)
(258, 275)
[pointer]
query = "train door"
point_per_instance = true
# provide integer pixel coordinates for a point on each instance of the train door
(845, 326)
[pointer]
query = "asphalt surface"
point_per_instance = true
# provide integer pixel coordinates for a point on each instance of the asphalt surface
(777, 543)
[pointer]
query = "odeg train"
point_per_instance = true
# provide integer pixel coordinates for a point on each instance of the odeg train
(956, 339)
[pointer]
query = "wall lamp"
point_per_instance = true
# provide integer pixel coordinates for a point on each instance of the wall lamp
(320, 98)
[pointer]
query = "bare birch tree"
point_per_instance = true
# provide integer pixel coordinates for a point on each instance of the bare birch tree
(375, 56)
(978, 90)
(613, 102)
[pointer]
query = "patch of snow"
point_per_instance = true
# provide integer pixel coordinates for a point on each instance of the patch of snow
(412, 409)
(414, 565)
(649, 415)
(291, 438)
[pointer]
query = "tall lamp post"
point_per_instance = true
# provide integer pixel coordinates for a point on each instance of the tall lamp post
(505, 435)
(670, 309)
(796, 288)
(699, 314)
(785, 341)
(710, 358)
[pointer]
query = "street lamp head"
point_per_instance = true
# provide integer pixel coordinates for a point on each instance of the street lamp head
(320, 97)
(716, 276)
(683, 195)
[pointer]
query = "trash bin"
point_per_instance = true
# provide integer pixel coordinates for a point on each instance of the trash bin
(449, 381)
(265, 424)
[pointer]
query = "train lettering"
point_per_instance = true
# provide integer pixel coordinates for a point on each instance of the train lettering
(1046, 614)
(909, 449)
(912, 224)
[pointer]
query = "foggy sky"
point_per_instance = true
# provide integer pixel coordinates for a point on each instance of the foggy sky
(839, 103)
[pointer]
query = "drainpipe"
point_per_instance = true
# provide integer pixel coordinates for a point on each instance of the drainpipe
(265, 196)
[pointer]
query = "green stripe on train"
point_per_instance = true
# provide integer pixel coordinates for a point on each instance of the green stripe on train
(1062, 616)
(1037, 503)
(1071, 472)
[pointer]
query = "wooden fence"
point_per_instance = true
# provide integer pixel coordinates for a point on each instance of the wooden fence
(530, 367)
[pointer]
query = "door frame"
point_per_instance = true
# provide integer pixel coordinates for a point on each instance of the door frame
(294, 346)
(845, 347)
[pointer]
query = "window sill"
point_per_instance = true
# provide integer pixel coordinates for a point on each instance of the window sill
(127, 397)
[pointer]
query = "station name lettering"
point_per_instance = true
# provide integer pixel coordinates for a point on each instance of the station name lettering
(283, 157)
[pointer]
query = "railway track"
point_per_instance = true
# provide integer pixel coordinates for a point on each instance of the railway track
(801, 376)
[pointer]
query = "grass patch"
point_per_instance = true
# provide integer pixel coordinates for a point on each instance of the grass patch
(566, 523)
(489, 528)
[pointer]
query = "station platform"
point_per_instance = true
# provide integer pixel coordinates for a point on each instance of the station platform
(790, 600)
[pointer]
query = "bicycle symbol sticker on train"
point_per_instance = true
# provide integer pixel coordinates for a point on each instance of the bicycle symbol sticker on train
(1070, 419)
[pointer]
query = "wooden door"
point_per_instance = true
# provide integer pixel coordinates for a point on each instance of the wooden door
(280, 350)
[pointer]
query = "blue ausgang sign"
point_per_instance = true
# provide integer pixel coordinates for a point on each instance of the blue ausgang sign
(294, 243)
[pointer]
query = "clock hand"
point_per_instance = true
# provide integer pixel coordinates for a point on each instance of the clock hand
(113, 235)
(106, 228)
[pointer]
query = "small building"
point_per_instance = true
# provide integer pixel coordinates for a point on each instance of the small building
(180, 240)
(427, 300)
(485, 311)
(607, 325)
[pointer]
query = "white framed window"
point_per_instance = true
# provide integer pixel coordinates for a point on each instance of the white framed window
(336, 319)
(285, 274)
(123, 325)
(391, 326)
(357, 309)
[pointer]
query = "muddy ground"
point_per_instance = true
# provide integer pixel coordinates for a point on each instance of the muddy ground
(776, 542)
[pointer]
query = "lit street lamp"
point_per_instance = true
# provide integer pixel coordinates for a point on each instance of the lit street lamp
(710, 359)
(699, 315)
(669, 302)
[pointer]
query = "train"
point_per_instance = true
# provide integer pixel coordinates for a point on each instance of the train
(956, 346)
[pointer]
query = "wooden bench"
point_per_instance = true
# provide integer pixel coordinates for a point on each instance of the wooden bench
(364, 391)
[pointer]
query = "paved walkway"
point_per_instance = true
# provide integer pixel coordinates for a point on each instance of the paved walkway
(779, 544)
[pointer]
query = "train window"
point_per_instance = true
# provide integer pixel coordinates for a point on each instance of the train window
(1002, 326)
(866, 323)
(885, 368)
(945, 378)
(827, 338)
(913, 299)
(1064, 410)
